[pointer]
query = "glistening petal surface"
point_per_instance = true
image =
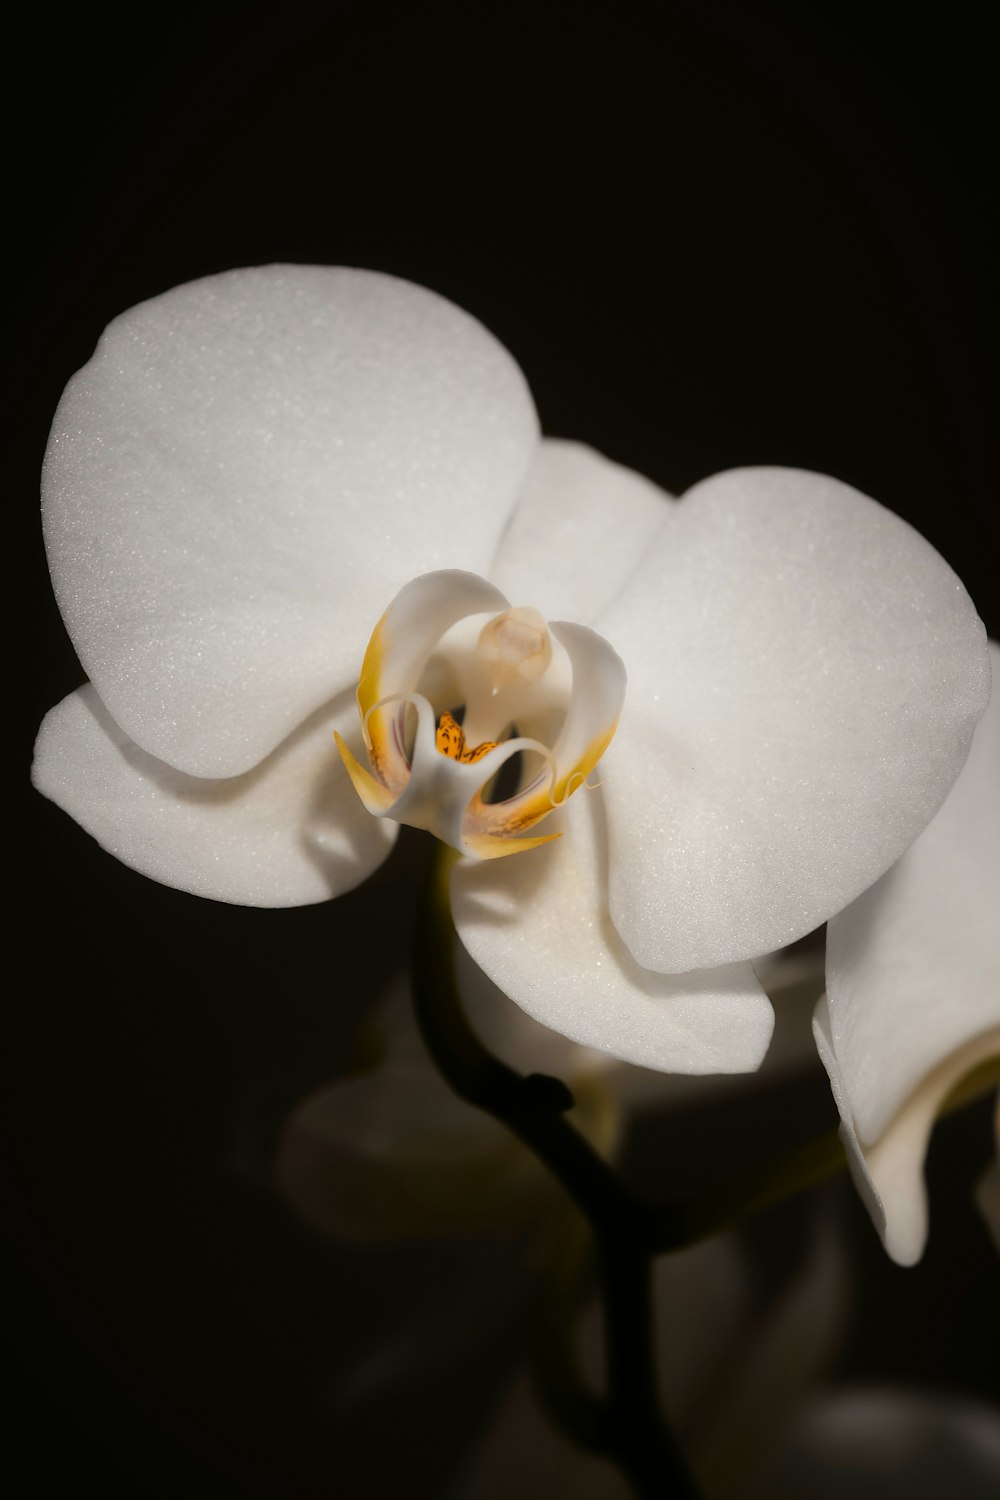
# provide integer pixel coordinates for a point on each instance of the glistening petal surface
(288, 833)
(249, 467)
(580, 528)
(537, 924)
(805, 673)
(913, 966)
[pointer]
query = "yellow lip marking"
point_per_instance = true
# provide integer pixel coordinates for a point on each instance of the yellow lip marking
(575, 777)
(376, 797)
(488, 846)
(451, 742)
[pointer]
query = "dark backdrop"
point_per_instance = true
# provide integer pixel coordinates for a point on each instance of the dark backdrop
(711, 235)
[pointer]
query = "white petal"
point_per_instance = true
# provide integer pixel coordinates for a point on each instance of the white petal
(537, 924)
(805, 673)
(889, 1173)
(913, 966)
(518, 1040)
(580, 528)
(877, 1443)
(288, 833)
(246, 472)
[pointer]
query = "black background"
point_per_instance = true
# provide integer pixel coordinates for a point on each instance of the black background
(711, 235)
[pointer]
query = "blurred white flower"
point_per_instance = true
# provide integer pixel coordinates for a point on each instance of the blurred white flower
(913, 994)
(391, 1152)
(734, 1377)
(886, 1443)
(253, 466)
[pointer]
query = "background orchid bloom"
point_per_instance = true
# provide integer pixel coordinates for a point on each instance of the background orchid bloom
(391, 1152)
(913, 993)
(253, 465)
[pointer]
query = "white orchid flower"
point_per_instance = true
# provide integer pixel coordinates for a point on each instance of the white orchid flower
(913, 993)
(255, 468)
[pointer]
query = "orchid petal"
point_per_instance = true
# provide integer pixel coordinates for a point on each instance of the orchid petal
(578, 532)
(288, 833)
(538, 926)
(913, 966)
(248, 467)
(875, 1442)
(517, 1039)
(889, 1173)
(805, 673)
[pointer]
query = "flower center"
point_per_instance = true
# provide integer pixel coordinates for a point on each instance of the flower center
(450, 670)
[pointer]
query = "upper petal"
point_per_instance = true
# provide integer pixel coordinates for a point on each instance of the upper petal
(290, 832)
(538, 925)
(805, 673)
(580, 528)
(244, 473)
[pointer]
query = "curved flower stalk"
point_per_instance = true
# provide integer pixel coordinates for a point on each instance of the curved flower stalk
(913, 993)
(253, 467)
(392, 1153)
(734, 1377)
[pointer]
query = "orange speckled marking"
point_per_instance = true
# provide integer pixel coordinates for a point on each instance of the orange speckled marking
(451, 742)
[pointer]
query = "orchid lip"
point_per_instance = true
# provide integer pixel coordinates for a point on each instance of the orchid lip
(451, 696)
